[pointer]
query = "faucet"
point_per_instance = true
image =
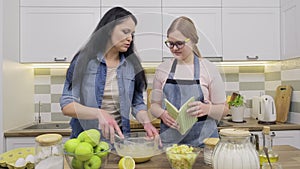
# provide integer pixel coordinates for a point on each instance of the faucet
(39, 115)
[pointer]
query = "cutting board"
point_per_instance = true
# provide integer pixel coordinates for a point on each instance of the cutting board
(282, 102)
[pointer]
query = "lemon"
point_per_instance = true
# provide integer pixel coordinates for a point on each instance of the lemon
(126, 162)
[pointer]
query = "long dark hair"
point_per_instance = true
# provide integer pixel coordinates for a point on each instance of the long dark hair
(98, 42)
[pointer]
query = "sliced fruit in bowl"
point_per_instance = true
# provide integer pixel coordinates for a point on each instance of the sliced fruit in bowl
(182, 156)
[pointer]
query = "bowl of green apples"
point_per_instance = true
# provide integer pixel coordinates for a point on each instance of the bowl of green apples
(86, 151)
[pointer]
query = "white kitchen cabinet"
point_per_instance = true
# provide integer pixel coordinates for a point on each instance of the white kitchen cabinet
(131, 3)
(290, 26)
(208, 25)
(148, 33)
(251, 3)
(60, 3)
(18, 142)
(191, 3)
(251, 33)
(283, 137)
(53, 33)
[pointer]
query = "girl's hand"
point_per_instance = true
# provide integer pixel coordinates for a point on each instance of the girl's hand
(109, 126)
(199, 109)
(168, 120)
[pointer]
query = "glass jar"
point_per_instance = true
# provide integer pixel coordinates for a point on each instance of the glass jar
(235, 151)
(209, 147)
(49, 152)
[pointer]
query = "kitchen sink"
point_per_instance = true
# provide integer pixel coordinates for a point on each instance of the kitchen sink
(223, 124)
(45, 126)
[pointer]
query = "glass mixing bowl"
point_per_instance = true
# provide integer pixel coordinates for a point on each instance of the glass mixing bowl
(138, 146)
(74, 161)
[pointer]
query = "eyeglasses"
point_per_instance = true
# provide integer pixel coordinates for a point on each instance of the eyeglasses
(178, 44)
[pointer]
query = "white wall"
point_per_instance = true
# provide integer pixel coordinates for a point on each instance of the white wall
(17, 79)
(1, 58)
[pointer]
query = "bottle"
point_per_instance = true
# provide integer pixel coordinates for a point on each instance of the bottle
(268, 142)
(49, 152)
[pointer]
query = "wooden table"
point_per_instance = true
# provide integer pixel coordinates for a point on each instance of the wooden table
(289, 157)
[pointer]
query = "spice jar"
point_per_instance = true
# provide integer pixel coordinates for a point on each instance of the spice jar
(49, 152)
(209, 147)
(235, 151)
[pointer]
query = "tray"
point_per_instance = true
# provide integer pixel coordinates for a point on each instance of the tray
(9, 158)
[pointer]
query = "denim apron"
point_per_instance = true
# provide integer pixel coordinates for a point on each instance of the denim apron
(178, 91)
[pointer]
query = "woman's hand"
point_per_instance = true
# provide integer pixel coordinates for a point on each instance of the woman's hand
(168, 120)
(199, 109)
(109, 126)
(150, 130)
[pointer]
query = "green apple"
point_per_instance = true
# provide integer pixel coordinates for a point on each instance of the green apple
(93, 163)
(71, 144)
(91, 136)
(84, 151)
(82, 136)
(76, 164)
(101, 149)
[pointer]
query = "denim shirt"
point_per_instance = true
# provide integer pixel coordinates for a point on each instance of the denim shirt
(92, 90)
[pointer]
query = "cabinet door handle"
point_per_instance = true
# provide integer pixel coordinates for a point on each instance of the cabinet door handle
(252, 57)
(60, 59)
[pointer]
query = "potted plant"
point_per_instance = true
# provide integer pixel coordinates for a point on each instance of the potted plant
(236, 100)
(236, 105)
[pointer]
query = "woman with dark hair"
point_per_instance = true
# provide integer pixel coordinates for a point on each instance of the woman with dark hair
(105, 80)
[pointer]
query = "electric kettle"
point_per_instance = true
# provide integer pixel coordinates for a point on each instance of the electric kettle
(267, 113)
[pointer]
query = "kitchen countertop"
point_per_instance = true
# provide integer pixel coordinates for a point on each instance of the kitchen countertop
(250, 124)
(289, 158)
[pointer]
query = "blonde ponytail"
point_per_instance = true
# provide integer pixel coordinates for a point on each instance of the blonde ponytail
(197, 51)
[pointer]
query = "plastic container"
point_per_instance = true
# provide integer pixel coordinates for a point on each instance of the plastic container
(49, 152)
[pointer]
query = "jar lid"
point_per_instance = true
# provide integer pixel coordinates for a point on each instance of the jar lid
(211, 141)
(234, 132)
(48, 139)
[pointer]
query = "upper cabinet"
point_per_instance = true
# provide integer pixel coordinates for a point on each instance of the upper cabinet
(290, 26)
(132, 3)
(208, 25)
(251, 3)
(148, 33)
(191, 3)
(54, 30)
(206, 15)
(251, 29)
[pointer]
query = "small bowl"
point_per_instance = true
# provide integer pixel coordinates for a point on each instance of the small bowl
(179, 158)
(80, 164)
(137, 146)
